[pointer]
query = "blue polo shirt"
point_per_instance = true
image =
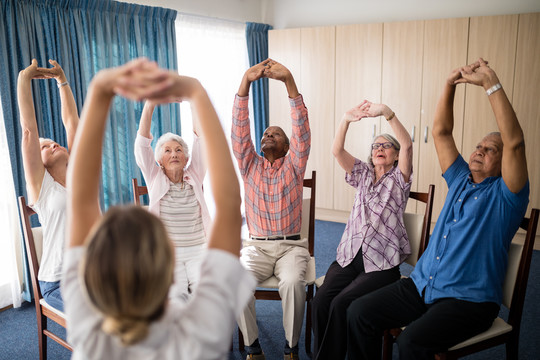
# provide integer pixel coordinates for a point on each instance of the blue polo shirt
(467, 254)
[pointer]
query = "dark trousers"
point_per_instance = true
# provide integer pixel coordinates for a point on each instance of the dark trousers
(431, 328)
(329, 306)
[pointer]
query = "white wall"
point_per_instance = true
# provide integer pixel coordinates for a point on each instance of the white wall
(236, 10)
(304, 13)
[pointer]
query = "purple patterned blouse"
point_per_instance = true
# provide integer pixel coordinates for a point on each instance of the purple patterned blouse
(376, 220)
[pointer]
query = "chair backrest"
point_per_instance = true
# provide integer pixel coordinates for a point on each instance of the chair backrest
(418, 225)
(33, 241)
(138, 191)
(308, 212)
(517, 274)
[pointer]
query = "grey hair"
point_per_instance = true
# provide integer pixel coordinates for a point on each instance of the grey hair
(158, 152)
(388, 138)
(45, 139)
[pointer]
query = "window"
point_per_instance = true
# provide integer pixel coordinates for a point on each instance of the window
(10, 239)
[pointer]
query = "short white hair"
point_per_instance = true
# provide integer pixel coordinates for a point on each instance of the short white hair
(158, 152)
(388, 138)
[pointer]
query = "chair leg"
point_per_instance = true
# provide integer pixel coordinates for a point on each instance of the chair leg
(308, 322)
(241, 345)
(388, 345)
(512, 347)
(42, 326)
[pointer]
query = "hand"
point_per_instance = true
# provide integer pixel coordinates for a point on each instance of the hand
(256, 72)
(478, 73)
(277, 71)
(137, 80)
(56, 72)
(356, 113)
(33, 72)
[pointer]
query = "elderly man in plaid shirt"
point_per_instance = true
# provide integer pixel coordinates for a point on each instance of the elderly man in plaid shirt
(273, 198)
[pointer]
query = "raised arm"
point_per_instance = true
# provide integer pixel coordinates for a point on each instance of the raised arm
(31, 152)
(402, 136)
(443, 123)
(514, 163)
(145, 123)
(343, 157)
(70, 116)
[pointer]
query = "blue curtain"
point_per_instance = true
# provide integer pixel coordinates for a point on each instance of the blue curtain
(257, 45)
(84, 36)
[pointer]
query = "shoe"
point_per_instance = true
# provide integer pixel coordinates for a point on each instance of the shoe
(255, 356)
(291, 356)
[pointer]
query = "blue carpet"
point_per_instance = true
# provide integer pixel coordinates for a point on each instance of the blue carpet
(18, 329)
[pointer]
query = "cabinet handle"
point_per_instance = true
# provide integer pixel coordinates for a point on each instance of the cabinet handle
(374, 131)
(413, 130)
(425, 134)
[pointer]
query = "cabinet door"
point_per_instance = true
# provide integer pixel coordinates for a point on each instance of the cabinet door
(283, 47)
(526, 96)
(494, 39)
(358, 77)
(402, 81)
(317, 57)
(445, 49)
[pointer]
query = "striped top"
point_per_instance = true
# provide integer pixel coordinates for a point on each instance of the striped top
(181, 214)
(273, 192)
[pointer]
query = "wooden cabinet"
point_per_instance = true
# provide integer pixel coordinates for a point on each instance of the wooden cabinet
(358, 77)
(404, 65)
(445, 48)
(402, 81)
(526, 96)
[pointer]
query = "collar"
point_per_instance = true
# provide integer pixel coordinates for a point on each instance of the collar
(276, 165)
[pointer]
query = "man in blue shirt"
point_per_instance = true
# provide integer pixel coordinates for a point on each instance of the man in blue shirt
(455, 290)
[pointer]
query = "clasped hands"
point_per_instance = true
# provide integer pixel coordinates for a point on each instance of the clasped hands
(477, 73)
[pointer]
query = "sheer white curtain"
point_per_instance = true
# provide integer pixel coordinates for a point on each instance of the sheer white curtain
(215, 52)
(10, 237)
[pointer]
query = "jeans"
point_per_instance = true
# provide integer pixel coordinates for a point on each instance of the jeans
(51, 293)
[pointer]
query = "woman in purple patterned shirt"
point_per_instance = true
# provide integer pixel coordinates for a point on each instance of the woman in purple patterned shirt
(374, 242)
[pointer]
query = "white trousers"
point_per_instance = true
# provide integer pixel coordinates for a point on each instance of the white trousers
(287, 260)
(187, 270)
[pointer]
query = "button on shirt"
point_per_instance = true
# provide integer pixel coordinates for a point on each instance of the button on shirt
(467, 253)
(376, 221)
(273, 192)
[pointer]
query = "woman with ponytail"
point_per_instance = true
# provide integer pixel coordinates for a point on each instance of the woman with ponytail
(119, 266)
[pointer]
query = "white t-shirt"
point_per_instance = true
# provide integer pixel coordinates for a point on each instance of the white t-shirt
(51, 210)
(199, 329)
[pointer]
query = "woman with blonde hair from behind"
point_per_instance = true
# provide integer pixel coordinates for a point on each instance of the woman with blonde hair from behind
(119, 267)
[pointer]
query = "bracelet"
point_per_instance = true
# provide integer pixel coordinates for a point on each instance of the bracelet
(62, 84)
(494, 88)
(391, 116)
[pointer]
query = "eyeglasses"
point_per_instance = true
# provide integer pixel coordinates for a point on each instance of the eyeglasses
(385, 145)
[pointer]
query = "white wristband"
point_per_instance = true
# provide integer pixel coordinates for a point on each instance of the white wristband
(494, 88)
(62, 84)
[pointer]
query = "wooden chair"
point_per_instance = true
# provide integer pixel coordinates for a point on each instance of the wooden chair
(138, 191)
(514, 288)
(33, 238)
(268, 289)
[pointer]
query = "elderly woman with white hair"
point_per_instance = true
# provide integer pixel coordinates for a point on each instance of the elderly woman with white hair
(374, 242)
(176, 196)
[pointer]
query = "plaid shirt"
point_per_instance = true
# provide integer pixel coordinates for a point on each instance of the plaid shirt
(273, 192)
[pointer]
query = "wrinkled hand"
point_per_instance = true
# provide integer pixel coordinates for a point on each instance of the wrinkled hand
(276, 71)
(256, 72)
(478, 73)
